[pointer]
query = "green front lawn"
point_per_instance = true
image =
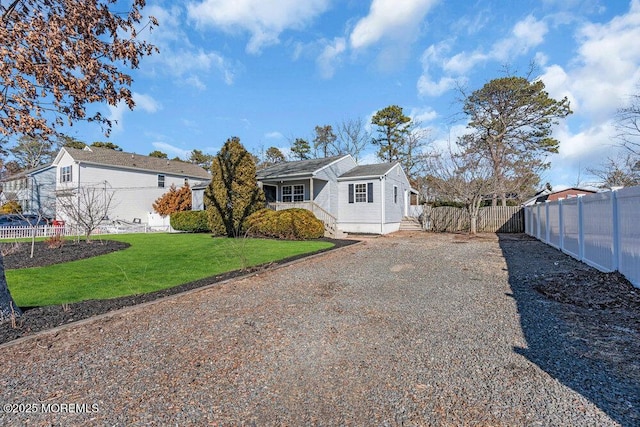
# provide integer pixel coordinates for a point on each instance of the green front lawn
(153, 262)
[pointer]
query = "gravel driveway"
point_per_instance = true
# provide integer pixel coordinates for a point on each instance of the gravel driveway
(410, 329)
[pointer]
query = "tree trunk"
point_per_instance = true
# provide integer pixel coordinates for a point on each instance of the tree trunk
(8, 307)
(474, 224)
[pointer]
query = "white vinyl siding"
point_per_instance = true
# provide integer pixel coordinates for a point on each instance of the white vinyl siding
(325, 186)
(361, 192)
(133, 191)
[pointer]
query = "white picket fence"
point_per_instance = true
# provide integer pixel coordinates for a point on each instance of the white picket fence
(48, 230)
(602, 230)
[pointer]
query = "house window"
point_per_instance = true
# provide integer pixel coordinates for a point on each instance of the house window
(361, 193)
(293, 193)
(160, 181)
(186, 181)
(66, 174)
(395, 194)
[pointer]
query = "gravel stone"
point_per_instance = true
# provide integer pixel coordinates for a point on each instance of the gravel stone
(407, 329)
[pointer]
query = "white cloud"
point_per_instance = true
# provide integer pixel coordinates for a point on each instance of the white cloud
(146, 102)
(423, 115)
(390, 19)
(273, 135)
(610, 50)
(264, 20)
(143, 102)
(116, 112)
(195, 82)
(330, 57)
(171, 150)
(594, 141)
(442, 73)
(557, 83)
(525, 35)
(178, 56)
(428, 86)
(597, 81)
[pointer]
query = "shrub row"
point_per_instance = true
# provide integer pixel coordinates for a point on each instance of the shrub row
(294, 224)
(190, 221)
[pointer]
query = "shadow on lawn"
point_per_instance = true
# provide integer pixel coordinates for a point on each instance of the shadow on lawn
(591, 349)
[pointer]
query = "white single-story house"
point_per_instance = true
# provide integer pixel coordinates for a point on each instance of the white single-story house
(346, 197)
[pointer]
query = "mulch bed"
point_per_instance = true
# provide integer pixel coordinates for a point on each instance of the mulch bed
(592, 290)
(36, 319)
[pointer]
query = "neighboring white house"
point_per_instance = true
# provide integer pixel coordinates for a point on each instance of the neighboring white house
(346, 197)
(135, 181)
(33, 189)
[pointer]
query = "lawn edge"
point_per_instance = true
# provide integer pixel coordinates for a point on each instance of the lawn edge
(113, 313)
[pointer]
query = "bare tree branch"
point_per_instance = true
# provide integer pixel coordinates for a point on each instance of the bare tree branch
(86, 207)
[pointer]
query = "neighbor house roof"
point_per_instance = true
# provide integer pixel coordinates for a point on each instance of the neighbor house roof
(544, 195)
(368, 171)
(106, 156)
(298, 168)
(26, 173)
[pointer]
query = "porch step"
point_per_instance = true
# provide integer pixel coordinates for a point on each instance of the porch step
(337, 234)
(410, 224)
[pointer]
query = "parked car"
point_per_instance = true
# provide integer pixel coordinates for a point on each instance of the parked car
(20, 220)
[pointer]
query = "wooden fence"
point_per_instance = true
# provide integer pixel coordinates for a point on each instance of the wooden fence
(497, 219)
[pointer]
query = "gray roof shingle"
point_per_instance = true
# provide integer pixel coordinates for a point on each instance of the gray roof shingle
(297, 168)
(380, 169)
(106, 156)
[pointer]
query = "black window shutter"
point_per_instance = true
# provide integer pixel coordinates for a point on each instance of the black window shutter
(370, 192)
(350, 193)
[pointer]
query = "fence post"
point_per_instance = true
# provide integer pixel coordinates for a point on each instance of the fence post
(561, 224)
(580, 230)
(547, 232)
(537, 236)
(615, 253)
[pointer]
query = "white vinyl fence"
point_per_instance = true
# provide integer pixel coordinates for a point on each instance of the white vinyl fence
(602, 230)
(66, 230)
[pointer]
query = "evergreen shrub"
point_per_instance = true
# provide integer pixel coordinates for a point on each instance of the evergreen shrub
(292, 224)
(190, 221)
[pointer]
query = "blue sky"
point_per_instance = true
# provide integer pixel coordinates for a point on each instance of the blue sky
(270, 71)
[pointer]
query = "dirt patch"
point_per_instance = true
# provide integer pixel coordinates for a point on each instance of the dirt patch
(36, 319)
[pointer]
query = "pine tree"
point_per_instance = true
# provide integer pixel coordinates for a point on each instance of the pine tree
(393, 127)
(300, 149)
(324, 141)
(233, 193)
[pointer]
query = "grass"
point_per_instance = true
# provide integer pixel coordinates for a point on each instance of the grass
(153, 262)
